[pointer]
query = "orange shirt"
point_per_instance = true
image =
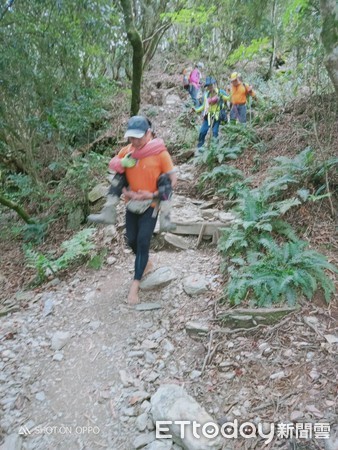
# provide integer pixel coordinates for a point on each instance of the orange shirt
(144, 175)
(239, 94)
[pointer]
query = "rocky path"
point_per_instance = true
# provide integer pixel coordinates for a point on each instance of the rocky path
(78, 366)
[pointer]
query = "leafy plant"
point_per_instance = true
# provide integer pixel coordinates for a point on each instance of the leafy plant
(74, 249)
(299, 167)
(34, 232)
(230, 146)
(304, 172)
(72, 116)
(282, 273)
(257, 218)
(97, 260)
(222, 175)
(257, 48)
(234, 189)
(20, 187)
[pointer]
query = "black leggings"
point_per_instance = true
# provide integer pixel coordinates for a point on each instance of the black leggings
(139, 230)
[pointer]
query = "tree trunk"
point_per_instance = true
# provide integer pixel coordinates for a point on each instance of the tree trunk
(329, 35)
(22, 213)
(274, 38)
(136, 43)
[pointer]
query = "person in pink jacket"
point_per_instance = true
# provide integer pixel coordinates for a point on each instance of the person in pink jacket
(195, 83)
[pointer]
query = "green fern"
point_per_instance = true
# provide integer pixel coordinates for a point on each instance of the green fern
(300, 166)
(221, 176)
(257, 219)
(39, 262)
(229, 147)
(79, 246)
(234, 189)
(283, 273)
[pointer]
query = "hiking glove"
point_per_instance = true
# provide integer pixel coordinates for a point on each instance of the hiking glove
(128, 161)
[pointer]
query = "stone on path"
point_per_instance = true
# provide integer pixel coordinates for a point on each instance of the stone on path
(195, 284)
(143, 440)
(176, 241)
(60, 339)
(196, 328)
(99, 191)
(160, 444)
(12, 442)
(147, 306)
(159, 278)
(171, 403)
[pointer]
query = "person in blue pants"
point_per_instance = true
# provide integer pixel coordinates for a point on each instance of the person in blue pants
(214, 100)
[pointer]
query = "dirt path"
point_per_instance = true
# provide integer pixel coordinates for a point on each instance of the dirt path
(79, 397)
(93, 393)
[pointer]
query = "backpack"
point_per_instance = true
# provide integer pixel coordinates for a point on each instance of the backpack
(185, 80)
(223, 114)
(248, 88)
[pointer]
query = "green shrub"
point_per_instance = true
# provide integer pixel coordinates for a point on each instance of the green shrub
(299, 167)
(20, 187)
(221, 176)
(257, 218)
(281, 274)
(73, 116)
(231, 145)
(74, 250)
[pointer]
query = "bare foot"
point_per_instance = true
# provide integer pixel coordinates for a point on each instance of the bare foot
(149, 268)
(133, 293)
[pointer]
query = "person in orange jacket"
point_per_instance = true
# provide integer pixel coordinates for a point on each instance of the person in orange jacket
(143, 162)
(239, 92)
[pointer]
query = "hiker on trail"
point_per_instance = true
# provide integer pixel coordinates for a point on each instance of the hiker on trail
(195, 82)
(149, 178)
(108, 213)
(214, 101)
(239, 92)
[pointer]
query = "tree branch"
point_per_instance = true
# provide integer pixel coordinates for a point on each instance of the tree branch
(17, 208)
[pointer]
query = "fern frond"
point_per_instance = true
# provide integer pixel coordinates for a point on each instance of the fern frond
(284, 229)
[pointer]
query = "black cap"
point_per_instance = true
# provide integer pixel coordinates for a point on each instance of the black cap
(137, 127)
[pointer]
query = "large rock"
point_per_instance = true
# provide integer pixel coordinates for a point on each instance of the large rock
(173, 99)
(195, 284)
(164, 444)
(97, 192)
(176, 241)
(247, 318)
(12, 442)
(159, 278)
(172, 403)
(60, 339)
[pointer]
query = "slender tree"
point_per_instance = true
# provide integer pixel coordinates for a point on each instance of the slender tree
(137, 45)
(329, 35)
